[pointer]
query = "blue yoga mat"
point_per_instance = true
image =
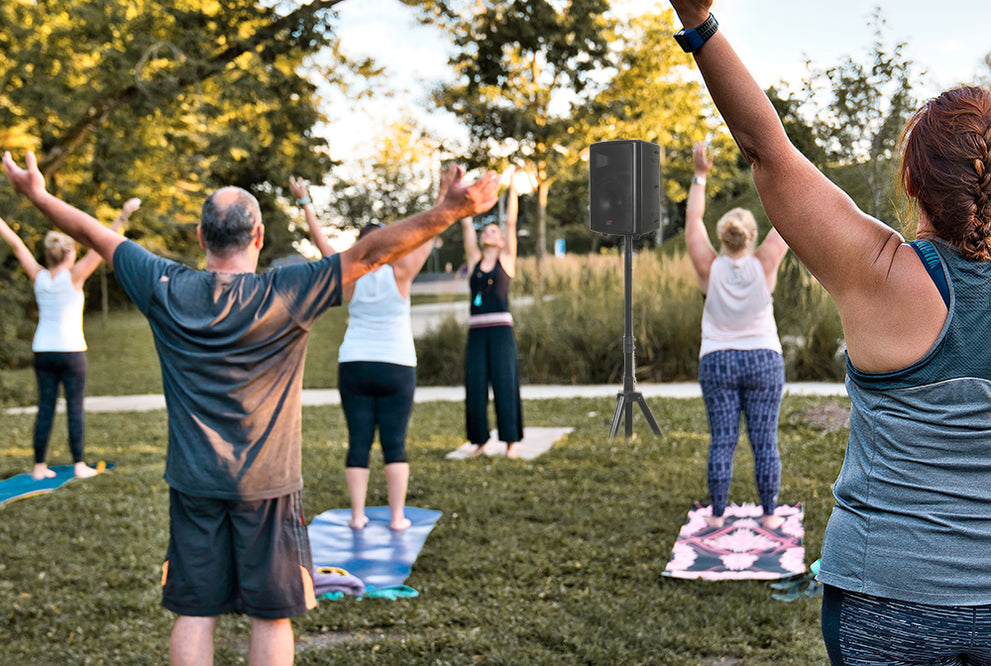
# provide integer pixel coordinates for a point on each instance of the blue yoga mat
(377, 555)
(22, 486)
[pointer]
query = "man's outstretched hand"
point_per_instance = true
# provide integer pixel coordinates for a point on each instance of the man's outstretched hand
(468, 199)
(28, 181)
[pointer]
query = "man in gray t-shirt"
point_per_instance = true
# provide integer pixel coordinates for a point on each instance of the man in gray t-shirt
(231, 344)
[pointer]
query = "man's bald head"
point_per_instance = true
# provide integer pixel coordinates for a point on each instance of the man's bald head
(229, 219)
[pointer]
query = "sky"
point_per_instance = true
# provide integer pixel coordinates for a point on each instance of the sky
(773, 37)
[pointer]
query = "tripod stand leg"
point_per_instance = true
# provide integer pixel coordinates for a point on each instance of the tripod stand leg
(618, 416)
(647, 415)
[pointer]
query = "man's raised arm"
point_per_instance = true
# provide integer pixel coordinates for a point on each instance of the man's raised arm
(397, 240)
(83, 227)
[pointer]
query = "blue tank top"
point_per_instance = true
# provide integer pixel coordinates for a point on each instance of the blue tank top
(912, 517)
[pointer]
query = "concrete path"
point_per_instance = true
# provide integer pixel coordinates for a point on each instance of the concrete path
(316, 397)
(424, 318)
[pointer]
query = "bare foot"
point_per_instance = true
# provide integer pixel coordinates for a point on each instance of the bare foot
(511, 451)
(403, 524)
(479, 450)
(84, 471)
(715, 521)
(772, 522)
(41, 471)
(358, 523)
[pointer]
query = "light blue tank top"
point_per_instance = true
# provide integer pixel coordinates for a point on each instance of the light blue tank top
(912, 519)
(379, 327)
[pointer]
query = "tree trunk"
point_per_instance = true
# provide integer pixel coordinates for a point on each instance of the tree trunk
(541, 237)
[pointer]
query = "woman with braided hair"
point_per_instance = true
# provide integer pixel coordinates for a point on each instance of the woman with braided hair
(904, 562)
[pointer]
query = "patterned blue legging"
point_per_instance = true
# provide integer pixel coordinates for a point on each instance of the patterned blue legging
(748, 382)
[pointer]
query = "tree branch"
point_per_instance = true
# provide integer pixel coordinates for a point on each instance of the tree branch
(105, 104)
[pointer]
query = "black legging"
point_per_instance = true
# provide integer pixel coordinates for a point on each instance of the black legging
(376, 394)
(51, 369)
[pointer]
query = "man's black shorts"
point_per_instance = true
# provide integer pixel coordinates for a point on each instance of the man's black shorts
(233, 556)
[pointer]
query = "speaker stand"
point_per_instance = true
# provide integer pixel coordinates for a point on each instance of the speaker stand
(629, 395)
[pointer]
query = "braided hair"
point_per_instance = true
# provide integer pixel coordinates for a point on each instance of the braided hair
(946, 168)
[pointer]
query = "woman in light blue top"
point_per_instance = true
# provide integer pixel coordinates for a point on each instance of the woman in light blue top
(59, 346)
(377, 368)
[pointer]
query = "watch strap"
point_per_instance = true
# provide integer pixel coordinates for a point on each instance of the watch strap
(692, 40)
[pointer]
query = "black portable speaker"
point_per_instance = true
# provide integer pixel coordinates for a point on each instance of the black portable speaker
(624, 184)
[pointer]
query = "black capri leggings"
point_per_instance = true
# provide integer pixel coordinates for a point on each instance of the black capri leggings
(376, 394)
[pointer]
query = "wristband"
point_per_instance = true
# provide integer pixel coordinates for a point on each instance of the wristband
(698, 180)
(692, 40)
(304, 201)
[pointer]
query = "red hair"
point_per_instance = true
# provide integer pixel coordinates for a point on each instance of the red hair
(946, 167)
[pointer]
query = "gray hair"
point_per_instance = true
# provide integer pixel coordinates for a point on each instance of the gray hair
(228, 221)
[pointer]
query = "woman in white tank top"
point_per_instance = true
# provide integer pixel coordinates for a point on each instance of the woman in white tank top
(376, 368)
(59, 346)
(740, 365)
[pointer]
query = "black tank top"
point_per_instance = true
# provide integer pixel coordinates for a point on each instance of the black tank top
(489, 291)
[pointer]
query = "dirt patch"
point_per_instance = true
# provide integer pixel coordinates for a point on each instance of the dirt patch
(830, 417)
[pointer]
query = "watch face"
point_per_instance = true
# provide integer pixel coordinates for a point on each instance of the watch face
(692, 40)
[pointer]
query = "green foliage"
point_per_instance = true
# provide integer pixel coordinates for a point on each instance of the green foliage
(860, 124)
(554, 562)
(396, 180)
(574, 333)
(515, 60)
(165, 101)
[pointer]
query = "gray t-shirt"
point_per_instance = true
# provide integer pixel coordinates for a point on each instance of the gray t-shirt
(232, 349)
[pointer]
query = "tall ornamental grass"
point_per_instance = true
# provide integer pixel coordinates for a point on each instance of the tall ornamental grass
(572, 332)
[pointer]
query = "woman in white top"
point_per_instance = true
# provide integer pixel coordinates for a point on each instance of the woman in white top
(740, 365)
(377, 368)
(59, 346)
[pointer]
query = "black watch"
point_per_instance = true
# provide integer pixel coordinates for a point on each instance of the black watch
(692, 40)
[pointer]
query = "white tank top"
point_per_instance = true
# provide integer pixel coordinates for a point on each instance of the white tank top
(379, 327)
(739, 310)
(60, 313)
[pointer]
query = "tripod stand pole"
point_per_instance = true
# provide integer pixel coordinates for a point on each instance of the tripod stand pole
(629, 394)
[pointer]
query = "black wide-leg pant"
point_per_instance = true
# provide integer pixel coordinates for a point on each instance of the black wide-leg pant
(491, 358)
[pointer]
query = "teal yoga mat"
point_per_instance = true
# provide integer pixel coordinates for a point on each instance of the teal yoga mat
(22, 486)
(376, 554)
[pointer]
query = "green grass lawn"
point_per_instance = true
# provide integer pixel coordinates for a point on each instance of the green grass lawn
(551, 561)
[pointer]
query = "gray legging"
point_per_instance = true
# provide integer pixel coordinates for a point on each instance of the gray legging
(863, 630)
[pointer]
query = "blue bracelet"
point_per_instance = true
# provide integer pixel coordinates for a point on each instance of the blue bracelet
(304, 201)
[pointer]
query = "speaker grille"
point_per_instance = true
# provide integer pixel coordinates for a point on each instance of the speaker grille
(624, 187)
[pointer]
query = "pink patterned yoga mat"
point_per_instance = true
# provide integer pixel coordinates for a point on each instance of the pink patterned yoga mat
(741, 549)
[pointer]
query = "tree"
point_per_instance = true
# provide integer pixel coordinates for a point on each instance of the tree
(522, 68)
(396, 180)
(650, 99)
(164, 100)
(860, 125)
